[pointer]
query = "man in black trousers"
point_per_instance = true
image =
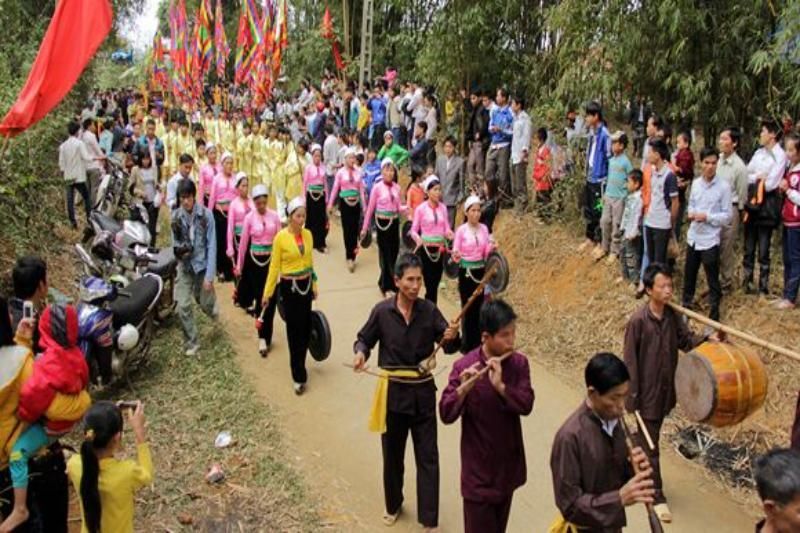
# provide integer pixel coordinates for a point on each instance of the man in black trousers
(405, 400)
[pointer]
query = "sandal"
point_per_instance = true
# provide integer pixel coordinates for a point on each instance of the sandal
(663, 513)
(390, 519)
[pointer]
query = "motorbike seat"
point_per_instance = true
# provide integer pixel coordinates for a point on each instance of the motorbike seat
(165, 263)
(106, 222)
(131, 309)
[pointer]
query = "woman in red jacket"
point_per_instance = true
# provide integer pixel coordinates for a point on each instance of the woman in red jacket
(52, 400)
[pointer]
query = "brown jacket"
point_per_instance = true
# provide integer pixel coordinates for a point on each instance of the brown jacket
(651, 354)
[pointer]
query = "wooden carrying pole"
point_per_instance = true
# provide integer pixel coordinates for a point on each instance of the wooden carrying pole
(786, 352)
(430, 363)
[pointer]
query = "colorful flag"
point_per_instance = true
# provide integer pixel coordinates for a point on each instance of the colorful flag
(222, 50)
(74, 34)
(329, 34)
(203, 33)
(159, 69)
(247, 41)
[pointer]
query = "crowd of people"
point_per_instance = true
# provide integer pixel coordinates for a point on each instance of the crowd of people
(250, 195)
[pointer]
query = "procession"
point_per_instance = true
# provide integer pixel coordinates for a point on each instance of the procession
(339, 258)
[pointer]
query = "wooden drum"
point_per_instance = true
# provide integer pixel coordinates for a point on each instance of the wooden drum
(720, 384)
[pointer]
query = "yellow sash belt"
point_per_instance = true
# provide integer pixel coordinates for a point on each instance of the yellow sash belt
(377, 413)
(560, 525)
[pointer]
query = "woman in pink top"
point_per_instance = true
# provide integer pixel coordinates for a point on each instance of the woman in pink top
(348, 187)
(252, 265)
(430, 229)
(315, 191)
(471, 246)
(384, 204)
(223, 191)
(207, 173)
(240, 206)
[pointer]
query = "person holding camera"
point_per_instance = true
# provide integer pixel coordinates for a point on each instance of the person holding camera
(195, 245)
(106, 486)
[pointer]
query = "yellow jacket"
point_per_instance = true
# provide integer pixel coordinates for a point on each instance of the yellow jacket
(117, 484)
(293, 173)
(185, 144)
(171, 149)
(244, 153)
(286, 259)
(16, 366)
(227, 136)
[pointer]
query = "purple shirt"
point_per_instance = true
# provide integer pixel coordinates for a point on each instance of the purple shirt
(492, 450)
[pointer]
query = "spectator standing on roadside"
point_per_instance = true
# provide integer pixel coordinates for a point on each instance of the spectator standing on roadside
(732, 169)
(597, 155)
(520, 147)
(94, 168)
(73, 158)
(619, 167)
(478, 133)
(790, 215)
(501, 129)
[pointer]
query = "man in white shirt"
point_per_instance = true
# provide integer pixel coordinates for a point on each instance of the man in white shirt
(185, 165)
(94, 169)
(764, 174)
(72, 160)
(520, 144)
(330, 155)
(709, 211)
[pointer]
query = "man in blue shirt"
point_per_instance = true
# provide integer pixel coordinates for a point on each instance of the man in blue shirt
(377, 108)
(195, 244)
(501, 129)
(597, 155)
(709, 210)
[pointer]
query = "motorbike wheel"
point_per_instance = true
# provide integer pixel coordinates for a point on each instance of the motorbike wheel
(166, 303)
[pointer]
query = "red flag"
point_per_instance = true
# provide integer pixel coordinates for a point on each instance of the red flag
(76, 30)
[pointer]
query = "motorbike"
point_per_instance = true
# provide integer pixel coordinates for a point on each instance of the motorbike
(123, 251)
(116, 325)
(110, 194)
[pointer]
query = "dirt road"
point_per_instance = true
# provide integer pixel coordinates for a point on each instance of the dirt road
(329, 443)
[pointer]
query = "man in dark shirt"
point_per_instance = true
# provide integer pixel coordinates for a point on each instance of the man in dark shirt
(418, 156)
(490, 408)
(592, 478)
(777, 475)
(407, 328)
(653, 336)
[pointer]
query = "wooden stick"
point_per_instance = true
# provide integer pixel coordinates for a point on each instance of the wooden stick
(644, 431)
(481, 372)
(736, 333)
(430, 363)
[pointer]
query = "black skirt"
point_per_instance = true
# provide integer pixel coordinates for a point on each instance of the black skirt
(317, 220)
(252, 282)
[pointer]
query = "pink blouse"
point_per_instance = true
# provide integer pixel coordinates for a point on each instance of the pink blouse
(236, 213)
(257, 230)
(430, 223)
(206, 179)
(385, 199)
(315, 175)
(223, 192)
(472, 245)
(347, 180)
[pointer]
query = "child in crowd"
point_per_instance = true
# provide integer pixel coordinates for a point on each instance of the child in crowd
(202, 158)
(51, 401)
(542, 173)
(683, 166)
(619, 167)
(372, 170)
(415, 195)
(106, 486)
(790, 215)
(631, 229)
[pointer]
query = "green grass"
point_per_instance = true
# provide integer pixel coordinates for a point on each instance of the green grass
(187, 402)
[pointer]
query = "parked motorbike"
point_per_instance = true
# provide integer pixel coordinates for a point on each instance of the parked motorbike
(110, 194)
(115, 324)
(123, 250)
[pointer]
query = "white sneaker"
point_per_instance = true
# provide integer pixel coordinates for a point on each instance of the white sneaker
(192, 350)
(299, 388)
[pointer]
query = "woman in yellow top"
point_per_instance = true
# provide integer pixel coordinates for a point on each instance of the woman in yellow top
(106, 485)
(244, 152)
(291, 272)
(260, 153)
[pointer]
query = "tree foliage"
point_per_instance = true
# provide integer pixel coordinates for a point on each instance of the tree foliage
(31, 192)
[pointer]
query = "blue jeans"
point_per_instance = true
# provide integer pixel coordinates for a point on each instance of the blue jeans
(791, 263)
(83, 190)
